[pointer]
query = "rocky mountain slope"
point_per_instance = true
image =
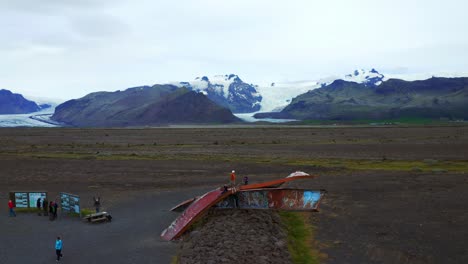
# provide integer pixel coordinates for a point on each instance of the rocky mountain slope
(228, 91)
(12, 103)
(142, 106)
(342, 100)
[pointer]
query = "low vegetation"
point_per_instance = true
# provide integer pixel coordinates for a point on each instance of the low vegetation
(300, 237)
(28, 210)
(426, 165)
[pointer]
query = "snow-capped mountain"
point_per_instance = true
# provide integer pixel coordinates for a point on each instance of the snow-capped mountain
(276, 96)
(227, 90)
(371, 77)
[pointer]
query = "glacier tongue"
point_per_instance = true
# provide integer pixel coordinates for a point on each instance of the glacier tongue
(25, 120)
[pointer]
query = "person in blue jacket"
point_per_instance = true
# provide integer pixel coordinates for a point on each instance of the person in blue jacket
(58, 248)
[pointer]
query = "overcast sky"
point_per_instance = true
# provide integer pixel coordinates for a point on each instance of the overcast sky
(68, 48)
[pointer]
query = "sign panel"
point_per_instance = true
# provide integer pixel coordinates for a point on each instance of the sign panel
(21, 199)
(33, 196)
(70, 203)
(27, 199)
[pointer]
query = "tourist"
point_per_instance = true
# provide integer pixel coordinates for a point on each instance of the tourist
(246, 180)
(233, 178)
(55, 209)
(38, 205)
(45, 206)
(58, 248)
(224, 188)
(51, 210)
(11, 206)
(97, 203)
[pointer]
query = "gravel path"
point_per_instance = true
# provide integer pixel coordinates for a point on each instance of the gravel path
(132, 237)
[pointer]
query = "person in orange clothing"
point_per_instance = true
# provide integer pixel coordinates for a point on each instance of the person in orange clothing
(233, 178)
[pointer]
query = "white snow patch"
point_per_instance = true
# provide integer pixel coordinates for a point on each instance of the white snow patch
(275, 98)
(249, 117)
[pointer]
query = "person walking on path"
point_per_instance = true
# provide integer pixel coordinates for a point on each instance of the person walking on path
(58, 248)
(97, 203)
(11, 206)
(246, 180)
(38, 205)
(233, 178)
(45, 206)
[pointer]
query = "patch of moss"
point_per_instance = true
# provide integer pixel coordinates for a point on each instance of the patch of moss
(87, 211)
(300, 236)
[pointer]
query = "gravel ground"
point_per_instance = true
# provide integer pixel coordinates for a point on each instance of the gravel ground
(132, 236)
(367, 217)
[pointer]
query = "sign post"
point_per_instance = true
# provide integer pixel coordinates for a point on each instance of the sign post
(26, 199)
(70, 203)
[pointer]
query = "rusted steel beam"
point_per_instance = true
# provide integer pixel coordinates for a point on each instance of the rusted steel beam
(194, 211)
(269, 184)
(276, 183)
(183, 205)
(281, 199)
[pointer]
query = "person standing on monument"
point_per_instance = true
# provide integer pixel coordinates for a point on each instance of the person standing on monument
(233, 178)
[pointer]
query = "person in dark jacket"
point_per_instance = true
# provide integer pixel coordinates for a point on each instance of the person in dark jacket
(45, 206)
(97, 203)
(51, 210)
(55, 209)
(38, 205)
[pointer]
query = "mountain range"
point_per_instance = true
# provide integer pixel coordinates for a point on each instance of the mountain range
(142, 106)
(394, 98)
(359, 95)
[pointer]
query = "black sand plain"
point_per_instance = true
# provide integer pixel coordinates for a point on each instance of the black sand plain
(395, 194)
